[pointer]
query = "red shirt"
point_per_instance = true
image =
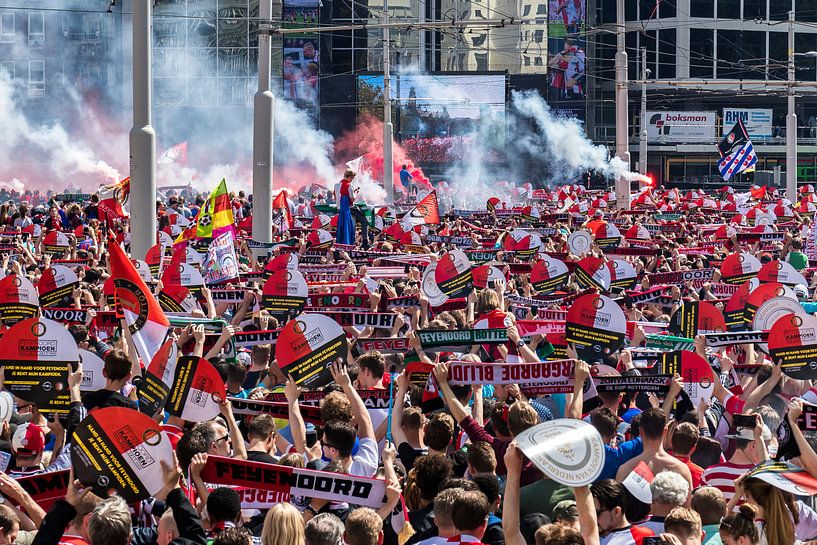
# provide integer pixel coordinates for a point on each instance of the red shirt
(344, 188)
(695, 470)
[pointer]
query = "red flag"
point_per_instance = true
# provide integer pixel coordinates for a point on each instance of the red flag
(146, 321)
(279, 202)
(758, 193)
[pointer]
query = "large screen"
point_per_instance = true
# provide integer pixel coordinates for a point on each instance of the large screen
(440, 114)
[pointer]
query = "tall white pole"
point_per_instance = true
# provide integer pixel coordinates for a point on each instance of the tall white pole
(388, 128)
(642, 143)
(791, 123)
(263, 130)
(142, 136)
(622, 185)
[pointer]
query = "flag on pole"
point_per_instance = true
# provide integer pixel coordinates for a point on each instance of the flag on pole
(737, 161)
(280, 202)
(426, 212)
(356, 165)
(146, 321)
(174, 154)
(216, 216)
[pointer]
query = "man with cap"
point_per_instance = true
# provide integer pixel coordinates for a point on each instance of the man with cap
(750, 450)
(28, 445)
(567, 514)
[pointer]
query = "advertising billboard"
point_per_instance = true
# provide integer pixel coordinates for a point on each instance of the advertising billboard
(758, 121)
(301, 63)
(681, 127)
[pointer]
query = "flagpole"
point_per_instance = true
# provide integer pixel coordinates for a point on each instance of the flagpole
(263, 134)
(142, 137)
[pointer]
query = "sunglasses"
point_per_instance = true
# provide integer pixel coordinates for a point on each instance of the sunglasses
(226, 438)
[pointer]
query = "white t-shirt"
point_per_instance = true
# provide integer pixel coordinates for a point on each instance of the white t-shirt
(367, 459)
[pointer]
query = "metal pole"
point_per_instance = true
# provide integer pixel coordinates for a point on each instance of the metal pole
(622, 185)
(791, 123)
(262, 136)
(388, 128)
(642, 144)
(142, 137)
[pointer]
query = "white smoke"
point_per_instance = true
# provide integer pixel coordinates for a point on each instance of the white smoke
(47, 147)
(298, 141)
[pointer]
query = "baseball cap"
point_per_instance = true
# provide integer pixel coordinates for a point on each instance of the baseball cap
(566, 509)
(748, 434)
(28, 440)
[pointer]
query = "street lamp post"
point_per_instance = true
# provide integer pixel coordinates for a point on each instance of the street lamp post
(791, 122)
(142, 137)
(263, 133)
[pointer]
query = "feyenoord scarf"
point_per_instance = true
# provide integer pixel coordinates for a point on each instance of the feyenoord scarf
(453, 340)
(309, 483)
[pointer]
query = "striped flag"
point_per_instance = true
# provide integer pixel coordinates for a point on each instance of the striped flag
(216, 216)
(737, 161)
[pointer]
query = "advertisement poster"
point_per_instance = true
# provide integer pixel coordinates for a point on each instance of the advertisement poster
(566, 56)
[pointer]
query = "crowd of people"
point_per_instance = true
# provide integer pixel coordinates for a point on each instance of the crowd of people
(684, 463)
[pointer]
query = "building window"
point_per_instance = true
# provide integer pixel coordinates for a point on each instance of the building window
(36, 29)
(701, 52)
(526, 59)
(806, 10)
(8, 67)
(630, 10)
(538, 36)
(755, 9)
(666, 10)
(6, 27)
(36, 78)
(702, 8)
(666, 53)
(779, 10)
(541, 9)
(537, 61)
(728, 9)
(482, 61)
(778, 55)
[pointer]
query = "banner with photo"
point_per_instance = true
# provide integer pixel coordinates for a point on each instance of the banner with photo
(301, 54)
(566, 57)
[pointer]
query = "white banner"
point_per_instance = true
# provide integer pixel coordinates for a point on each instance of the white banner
(758, 121)
(684, 127)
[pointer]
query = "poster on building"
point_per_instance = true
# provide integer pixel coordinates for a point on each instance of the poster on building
(758, 121)
(301, 54)
(681, 127)
(567, 57)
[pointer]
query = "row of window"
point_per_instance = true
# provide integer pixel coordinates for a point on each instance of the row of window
(36, 28)
(35, 72)
(775, 10)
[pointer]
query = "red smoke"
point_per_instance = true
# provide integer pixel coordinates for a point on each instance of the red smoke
(367, 139)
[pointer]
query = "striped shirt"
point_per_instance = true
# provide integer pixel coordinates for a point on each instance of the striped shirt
(630, 535)
(722, 476)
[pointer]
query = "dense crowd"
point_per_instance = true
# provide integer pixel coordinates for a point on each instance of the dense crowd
(684, 459)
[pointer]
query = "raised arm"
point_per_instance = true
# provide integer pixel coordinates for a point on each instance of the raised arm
(580, 373)
(296, 421)
(510, 503)
(361, 414)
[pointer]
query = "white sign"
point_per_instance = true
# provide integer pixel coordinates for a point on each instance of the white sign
(681, 127)
(570, 452)
(758, 121)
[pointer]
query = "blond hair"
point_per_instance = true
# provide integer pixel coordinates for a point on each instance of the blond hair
(283, 525)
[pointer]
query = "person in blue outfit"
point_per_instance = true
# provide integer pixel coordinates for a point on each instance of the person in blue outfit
(346, 225)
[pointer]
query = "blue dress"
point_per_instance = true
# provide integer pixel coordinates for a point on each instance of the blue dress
(346, 225)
